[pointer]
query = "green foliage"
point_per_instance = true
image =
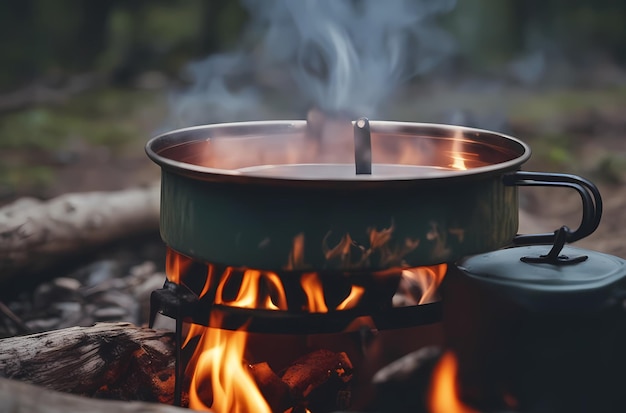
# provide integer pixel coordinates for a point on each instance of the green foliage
(551, 105)
(486, 30)
(99, 118)
(29, 179)
(35, 142)
(598, 25)
(611, 168)
(125, 38)
(554, 149)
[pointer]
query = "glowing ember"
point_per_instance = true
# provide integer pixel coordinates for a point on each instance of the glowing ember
(443, 396)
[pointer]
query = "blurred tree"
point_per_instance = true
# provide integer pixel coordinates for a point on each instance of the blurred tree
(491, 32)
(45, 39)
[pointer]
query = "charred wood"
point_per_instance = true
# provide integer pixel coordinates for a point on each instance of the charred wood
(109, 360)
(275, 391)
(320, 380)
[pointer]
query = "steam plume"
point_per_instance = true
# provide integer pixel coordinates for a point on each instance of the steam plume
(339, 55)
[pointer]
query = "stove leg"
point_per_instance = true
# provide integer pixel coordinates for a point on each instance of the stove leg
(178, 364)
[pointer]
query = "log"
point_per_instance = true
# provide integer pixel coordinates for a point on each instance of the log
(274, 390)
(35, 235)
(18, 397)
(320, 381)
(108, 360)
(402, 385)
(314, 369)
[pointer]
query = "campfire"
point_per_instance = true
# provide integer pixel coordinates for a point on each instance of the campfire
(369, 291)
(306, 375)
(340, 263)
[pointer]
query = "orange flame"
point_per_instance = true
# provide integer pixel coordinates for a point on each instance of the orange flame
(194, 331)
(249, 294)
(296, 256)
(428, 278)
(176, 265)
(281, 298)
(443, 397)
(457, 155)
(220, 380)
(316, 302)
(353, 255)
(312, 286)
(461, 158)
(218, 358)
(341, 250)
(210, 274)
(352, 299)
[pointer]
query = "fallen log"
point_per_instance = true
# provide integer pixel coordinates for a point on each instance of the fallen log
(18, 397)
(109, 360)
(35, 235)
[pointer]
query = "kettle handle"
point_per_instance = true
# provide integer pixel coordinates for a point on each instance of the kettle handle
(590, 197)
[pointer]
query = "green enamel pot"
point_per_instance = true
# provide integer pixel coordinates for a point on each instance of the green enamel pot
(272, 195)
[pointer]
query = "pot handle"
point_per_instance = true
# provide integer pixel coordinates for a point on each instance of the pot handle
(590, 196)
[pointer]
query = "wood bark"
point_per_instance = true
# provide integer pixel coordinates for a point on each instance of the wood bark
(109, 360)
(35, 235)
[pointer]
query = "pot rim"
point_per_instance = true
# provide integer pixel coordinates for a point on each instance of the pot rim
(180, 136)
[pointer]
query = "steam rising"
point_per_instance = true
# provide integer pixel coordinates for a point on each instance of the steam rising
(338, 55)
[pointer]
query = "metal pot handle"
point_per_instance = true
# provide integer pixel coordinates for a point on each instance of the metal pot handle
(590, 196)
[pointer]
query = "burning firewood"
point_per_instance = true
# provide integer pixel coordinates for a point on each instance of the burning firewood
(318, 381)
(108, 360)
(71, 224)
(321, 377)
(275, 391)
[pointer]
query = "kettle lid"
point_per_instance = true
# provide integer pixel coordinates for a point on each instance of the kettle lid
(573, 277)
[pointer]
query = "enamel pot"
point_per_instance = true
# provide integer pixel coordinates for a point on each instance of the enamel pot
(274, 195)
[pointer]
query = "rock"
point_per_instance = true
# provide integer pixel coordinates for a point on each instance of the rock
(70, 284)
(110, 314)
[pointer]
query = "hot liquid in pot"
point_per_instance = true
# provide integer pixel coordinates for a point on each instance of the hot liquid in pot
(343, 171)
